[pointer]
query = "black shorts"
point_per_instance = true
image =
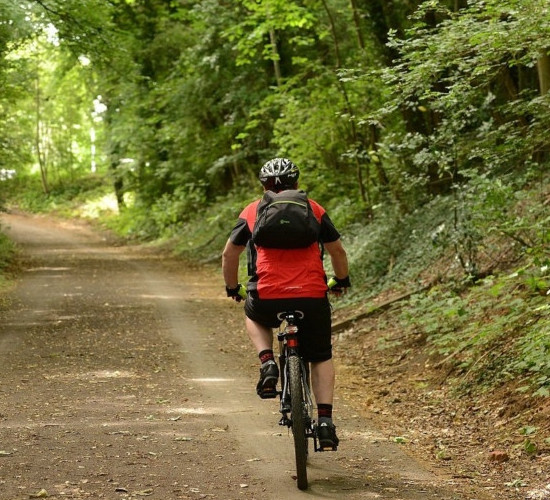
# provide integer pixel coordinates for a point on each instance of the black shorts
(314, 329)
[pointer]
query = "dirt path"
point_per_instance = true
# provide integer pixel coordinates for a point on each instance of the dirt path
(128, 375)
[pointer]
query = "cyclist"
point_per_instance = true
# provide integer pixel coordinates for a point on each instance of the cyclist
(289, 279)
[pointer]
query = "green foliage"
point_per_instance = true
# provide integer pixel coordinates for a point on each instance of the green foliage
(133, 224)
(469, 84)
(164, 218)
(529, 445)
(205, 240)
(497, 330)
(15, 81)
(7, 254)
(395, 249)
(251, 35)
(7, 250)
(64, 198)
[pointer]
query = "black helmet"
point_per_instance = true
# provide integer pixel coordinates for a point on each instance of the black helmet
(278, 174)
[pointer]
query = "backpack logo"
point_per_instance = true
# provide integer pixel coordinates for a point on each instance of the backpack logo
(285, 220)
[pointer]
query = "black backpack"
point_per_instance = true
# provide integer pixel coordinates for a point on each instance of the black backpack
(285, 220)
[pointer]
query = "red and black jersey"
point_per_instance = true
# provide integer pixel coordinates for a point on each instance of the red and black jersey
(285, 273)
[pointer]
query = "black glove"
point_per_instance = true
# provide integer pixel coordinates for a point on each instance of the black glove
(337, 285)
(237, 294)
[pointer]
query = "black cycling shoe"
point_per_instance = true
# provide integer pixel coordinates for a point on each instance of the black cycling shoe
(267, 385)
(326, 435)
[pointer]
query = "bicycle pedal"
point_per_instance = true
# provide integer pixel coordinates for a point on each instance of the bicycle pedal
(268, 394)
(328, 448)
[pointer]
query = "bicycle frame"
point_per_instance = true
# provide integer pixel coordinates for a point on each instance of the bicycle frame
(289, 347)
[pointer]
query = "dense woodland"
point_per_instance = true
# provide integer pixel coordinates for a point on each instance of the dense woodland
(381, 103)
(422, 126)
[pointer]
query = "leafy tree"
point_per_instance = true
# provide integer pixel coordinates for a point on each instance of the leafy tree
(380, 108)
(14, 85)
(472, 76)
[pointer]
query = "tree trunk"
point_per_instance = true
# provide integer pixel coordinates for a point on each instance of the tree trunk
(543, 69)
(334, 35)
(275, 52)
(39, 152)
(356, 22)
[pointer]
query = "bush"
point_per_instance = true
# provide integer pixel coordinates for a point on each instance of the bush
(7, 253)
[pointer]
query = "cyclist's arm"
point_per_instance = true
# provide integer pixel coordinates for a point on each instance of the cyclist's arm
(338, 258)
(230, 263)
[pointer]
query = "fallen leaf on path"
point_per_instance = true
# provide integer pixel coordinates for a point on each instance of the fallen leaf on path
(219, 429)
(143, 493)
(498, 456)
(41, 494)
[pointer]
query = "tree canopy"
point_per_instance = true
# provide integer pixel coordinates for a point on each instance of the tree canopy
(180, 101)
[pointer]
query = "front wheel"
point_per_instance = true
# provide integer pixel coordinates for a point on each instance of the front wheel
(297, 408)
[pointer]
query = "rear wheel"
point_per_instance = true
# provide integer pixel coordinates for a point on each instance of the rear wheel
(298, 421)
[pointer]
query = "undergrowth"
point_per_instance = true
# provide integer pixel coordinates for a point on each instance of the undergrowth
(489, 333)
(65, 198)
(7, 253)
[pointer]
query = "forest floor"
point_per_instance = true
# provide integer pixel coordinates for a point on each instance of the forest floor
(407, 392)
(127, 374)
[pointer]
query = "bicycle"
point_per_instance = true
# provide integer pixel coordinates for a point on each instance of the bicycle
(296, 404)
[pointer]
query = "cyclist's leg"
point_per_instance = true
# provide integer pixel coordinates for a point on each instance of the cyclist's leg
(316, 347)
(316, 340)
(260, 319)
(262, 339)
(260, 335)
(322, 381)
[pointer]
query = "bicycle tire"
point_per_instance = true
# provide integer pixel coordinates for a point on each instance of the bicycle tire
(298, 421)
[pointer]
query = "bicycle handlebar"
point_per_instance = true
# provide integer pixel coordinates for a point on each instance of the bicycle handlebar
(333, 283)
(337, 285)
